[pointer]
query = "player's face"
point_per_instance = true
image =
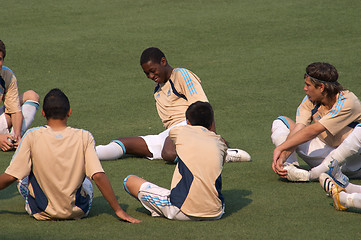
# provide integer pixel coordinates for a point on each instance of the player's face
(1, 60)
(156, 71)
(314, 93)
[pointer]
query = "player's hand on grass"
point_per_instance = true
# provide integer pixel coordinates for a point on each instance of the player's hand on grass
(124, 216)
(6, 142)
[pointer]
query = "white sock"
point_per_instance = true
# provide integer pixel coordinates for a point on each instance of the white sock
(279, 134)
(28, 110)
(323, 167)
(353, 188)
(350, 146)
(114, 150)
(350, 200)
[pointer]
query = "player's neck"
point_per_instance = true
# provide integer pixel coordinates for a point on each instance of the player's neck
(329, 102)
(57, 124)
(169, 71)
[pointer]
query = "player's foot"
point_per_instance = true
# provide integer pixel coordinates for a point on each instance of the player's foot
(332, 189)
(237, 155)
(337, 176)
(296, 174)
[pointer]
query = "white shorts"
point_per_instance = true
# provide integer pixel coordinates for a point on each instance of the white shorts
(157, 200)
(23, 189)
(155, 143)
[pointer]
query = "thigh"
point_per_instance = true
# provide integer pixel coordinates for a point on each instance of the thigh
(314, 151)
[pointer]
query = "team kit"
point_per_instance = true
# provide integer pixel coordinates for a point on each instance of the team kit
(54, 165)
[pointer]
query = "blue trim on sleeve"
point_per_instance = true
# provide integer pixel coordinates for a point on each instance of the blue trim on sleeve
(284, 120)
(121, 145)
(179, 194)
(187, 80)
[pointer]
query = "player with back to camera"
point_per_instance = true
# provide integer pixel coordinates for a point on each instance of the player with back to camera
(18, 112)
(196, 185)
(175, 90)
(326, 116)
(54, 164)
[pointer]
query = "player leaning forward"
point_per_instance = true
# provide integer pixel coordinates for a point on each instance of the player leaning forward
(326, 116)
(18, 111)
(196, 185)
(56, 162)
(175, 89)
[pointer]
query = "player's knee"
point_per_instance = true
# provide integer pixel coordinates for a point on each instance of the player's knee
(169, 155)
(30, 95)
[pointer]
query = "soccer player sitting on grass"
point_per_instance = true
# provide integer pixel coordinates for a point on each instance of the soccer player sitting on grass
(175, 90)
(18, 112)
(335, 183)
(326, 116)
(53, 165)
(196, 185)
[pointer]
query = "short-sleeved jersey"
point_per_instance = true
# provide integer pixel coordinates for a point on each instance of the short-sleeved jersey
(56, 163)
(339, 121)
(197, 183)
(9, 93)
(174, 96)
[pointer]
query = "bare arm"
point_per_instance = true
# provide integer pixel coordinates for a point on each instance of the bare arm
(300, 135)
(103, 183)
(17, 121)
(6, 180)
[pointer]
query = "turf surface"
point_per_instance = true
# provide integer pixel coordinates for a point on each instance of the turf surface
(250, 56)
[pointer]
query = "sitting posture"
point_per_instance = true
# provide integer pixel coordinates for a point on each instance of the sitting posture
(53, 165)
(196, 185)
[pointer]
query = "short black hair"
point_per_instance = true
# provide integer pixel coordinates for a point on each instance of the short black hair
(200, 114)
(2, 48)
(56, 104)
(151, 54)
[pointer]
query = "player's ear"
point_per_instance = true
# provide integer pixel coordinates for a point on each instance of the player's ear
(69, 113)
(163, 61)
(188, 122)
(43, 113)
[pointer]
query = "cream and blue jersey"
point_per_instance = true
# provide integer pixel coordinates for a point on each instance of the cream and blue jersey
(197, 183)
(9, 93)
(339, 121)
(174, 96)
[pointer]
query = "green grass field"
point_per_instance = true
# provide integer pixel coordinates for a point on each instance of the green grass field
(251, 57)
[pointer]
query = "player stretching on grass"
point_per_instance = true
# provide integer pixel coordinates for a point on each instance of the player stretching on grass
(55, 163)
(326, 116)
(175, 90)
(18, 112)
(196, 185)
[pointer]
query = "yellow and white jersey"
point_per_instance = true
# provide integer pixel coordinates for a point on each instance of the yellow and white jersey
(9, 93)
(339, 121)
(56, 163)
(197, 183)
(174, 96)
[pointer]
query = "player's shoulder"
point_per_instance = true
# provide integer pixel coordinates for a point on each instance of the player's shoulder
(7, 72)
(185, 74)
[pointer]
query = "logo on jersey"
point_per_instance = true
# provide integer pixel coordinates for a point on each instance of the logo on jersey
(169, 92)
(157, 96)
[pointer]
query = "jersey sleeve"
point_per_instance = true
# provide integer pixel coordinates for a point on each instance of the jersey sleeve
(11, 100)
(304, 112)
(190, 86)
(20, 165)
(92, 162)
(342, 114)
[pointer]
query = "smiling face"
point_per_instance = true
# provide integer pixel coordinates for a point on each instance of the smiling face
(158, 72)
(314, 93)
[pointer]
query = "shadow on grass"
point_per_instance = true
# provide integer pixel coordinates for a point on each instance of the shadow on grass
(9, 192)
(101, 206)
(235, 200)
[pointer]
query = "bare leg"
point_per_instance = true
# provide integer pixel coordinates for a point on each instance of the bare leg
(169, 152)
(132, 184)
(136, 146)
